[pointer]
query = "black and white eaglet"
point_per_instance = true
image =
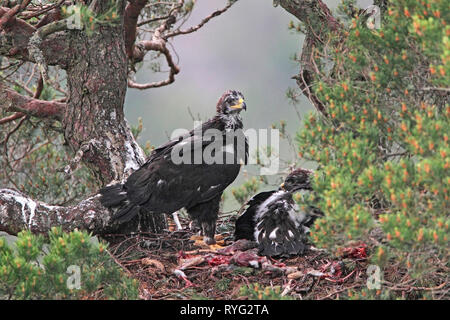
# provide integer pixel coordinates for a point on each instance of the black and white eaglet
(189, 172)
(275, 221)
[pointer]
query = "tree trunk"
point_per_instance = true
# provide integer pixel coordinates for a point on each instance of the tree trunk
(95, 128)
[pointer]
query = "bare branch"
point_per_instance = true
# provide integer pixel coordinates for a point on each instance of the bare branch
(36, 42)
(157, 45)
(53, 15)
(73, 165)
(32, 14)
(6, 18)
(10, 100)
(20, 212)
(12, 117)
(436, 89)
(309, 11)
(18, 115)
(159, 40)
(201, 24)
(144, 22)
(39, 88)
(15, 37)
(131, 15)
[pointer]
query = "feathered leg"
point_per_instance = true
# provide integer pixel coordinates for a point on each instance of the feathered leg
(206, 216)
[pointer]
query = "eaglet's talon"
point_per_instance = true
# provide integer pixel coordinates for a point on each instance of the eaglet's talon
(208, 242)
(196, 237)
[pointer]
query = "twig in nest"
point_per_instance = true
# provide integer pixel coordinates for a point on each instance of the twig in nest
(339, 291)
(118, 263)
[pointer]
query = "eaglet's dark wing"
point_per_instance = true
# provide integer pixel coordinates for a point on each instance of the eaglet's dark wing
(245, 224)
(279, 227)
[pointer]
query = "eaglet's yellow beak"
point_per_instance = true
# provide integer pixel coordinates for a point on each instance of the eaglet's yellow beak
(240, 105)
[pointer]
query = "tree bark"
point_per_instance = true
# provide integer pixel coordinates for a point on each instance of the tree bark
(19, 212)
(93, 122)
(10, 100)
(15, 36)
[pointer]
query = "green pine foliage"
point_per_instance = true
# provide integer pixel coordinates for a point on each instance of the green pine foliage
(86, 19)
(383, 149)
(248, 189)
(136, 131)
(256, 292)
(367, 294)
(47, 268)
